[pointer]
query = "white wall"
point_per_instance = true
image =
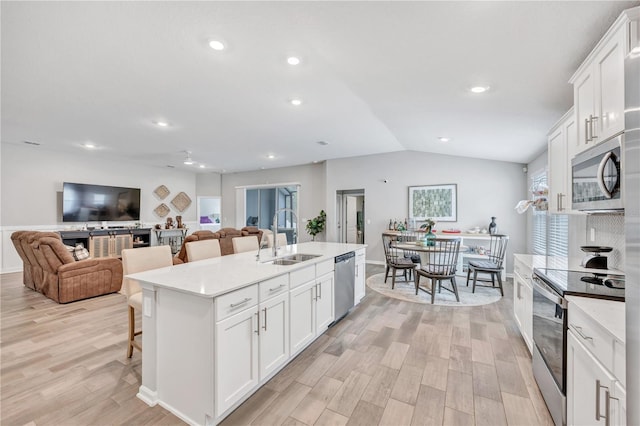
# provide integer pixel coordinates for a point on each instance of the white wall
(32, 179)
(311, 199)
(208, 184)
(485, 189)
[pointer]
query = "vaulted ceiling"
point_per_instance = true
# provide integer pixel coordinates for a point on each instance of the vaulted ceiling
(374, 77)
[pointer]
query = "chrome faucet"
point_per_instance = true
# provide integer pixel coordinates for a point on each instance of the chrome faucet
(275, 227)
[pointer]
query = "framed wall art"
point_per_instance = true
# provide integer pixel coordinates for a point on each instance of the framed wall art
(438, 202)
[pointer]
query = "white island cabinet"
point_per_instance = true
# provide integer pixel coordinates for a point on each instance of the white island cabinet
(216, 330)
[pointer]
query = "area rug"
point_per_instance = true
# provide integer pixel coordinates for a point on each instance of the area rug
(407, 291)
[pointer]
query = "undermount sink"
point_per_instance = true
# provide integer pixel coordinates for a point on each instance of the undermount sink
(292, 259)
(300, 257)
(283, 262)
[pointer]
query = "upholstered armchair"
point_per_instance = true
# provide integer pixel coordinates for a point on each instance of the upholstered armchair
(182, 257)
(66, 280)
(27, 277)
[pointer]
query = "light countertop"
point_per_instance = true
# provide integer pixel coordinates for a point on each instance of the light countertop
(220, 275)
(563, 263)
(607, 313)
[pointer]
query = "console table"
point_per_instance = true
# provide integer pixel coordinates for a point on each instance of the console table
(108, 242)
(171, 237)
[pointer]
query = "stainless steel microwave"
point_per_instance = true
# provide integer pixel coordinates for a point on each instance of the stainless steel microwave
(596, 177)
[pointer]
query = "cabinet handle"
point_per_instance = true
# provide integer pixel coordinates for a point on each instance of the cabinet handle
(591, 120)
(579, 331)
(319, 290)
(242, 302)
(265, 319)
(598, 415)
(257, 331)
(276, 288)
(519, 288)
(586, 131)
(559, 202)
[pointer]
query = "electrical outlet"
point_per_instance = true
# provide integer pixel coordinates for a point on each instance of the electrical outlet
(592, 236)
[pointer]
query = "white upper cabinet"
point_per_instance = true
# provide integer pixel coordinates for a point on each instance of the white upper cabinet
(562, 146)
(598, 85)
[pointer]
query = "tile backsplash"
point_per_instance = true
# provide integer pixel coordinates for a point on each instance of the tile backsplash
(608, 230)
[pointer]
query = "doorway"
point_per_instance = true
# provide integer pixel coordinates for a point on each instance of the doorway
(350, 209)
(208, 212)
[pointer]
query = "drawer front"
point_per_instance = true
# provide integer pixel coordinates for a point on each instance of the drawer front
(236, 301)
(274, 287)
(593, 336)
(324, 267)
(302, 276)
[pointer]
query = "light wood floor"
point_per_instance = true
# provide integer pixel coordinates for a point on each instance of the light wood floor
(388, 362)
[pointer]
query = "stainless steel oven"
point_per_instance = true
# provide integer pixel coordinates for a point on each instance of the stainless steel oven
(596, 177)
(549, 348)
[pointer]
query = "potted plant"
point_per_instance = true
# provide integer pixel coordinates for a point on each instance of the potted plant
(316, 225)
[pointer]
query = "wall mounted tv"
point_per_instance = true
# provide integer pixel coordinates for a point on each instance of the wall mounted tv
(88, 203)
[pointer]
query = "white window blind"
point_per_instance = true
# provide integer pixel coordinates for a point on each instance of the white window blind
(550, 231)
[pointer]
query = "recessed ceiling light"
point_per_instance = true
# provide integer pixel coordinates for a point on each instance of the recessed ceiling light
(296, 102)
(293, 60)
(161, 123)
(479, 89)
(444, 139)
(202, 166)
(271, 156)
(216, 45)
(89, 145)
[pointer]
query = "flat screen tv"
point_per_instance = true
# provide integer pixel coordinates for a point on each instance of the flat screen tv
(87, 203)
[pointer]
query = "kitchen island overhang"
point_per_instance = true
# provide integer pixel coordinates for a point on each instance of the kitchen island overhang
(206, 343)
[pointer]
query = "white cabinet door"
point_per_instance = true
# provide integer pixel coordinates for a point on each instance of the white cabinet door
(610, 88)
(526, 293)
(303, 316)
(584, 101)
(236, 356)
(587, 385)
(558, 167)
(619, 405)
(274, 334)
(324, 302)
(360, 287)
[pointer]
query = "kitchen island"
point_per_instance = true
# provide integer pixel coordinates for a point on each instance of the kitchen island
(216, 330)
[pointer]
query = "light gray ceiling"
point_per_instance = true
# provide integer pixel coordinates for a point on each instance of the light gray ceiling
(375, 77)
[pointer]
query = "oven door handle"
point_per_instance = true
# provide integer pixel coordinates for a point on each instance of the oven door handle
(548, 292)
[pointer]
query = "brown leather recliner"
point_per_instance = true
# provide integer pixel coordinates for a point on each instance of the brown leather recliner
(27, 239)
(27, 277)
(67, 280)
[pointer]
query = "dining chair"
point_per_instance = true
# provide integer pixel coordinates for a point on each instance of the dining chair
(395, 260)
(243, 244)
(281, 239)
(492, 266)
(205, 249)
(437, 264)
(140, 260)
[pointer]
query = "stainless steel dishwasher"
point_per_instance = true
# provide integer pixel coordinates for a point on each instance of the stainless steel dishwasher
(344, 283)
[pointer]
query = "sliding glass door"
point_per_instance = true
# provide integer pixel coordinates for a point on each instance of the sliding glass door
(262, 203)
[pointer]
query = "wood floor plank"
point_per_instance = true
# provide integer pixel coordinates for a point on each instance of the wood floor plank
(460, 359)
(380, 386)
(489, 412)
(459, 391)
(485, 381)
(394, 357)
(396, 413)
(349, 394)
(519, 410)
(429, 408)
(365, 414)
(510, 379)
(317, 369)
(281, 407)
(481, 351)
(436, 372)
(407, 384)
(330, 418)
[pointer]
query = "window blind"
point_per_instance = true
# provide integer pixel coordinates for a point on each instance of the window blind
(550, 231)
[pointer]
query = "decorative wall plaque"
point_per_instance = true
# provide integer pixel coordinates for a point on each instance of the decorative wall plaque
(162, 192)
(162, 210)
(181, 201)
